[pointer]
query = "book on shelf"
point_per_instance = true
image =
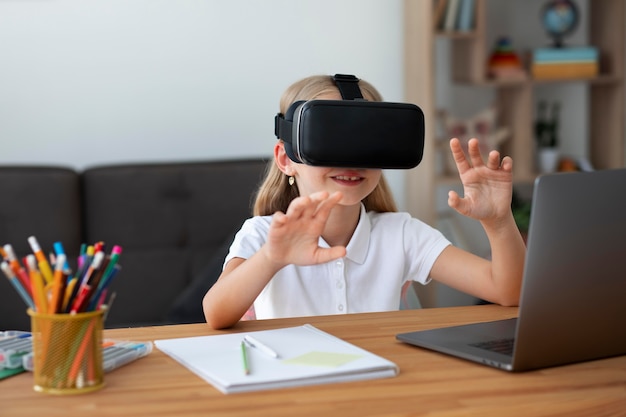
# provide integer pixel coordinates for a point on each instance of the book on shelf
(565, 54)
(439, 13)
(465, 21)
(559, 70)
(452, 10)
(302, 355)
(453, 15)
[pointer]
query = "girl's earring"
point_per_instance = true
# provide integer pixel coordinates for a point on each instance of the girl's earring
(292, 180)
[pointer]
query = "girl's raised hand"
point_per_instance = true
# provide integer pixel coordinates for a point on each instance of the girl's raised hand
(487, 187)
(293, 237)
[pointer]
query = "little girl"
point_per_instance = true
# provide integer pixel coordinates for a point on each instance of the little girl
(329, 240)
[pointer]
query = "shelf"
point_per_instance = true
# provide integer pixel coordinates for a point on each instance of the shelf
(598, 80)
(515, 98)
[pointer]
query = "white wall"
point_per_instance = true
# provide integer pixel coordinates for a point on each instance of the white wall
(105, 81)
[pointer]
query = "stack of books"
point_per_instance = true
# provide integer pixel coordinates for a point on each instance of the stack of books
(565, 62)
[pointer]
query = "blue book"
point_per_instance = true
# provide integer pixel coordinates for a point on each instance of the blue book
(565, 54)
(466, 16)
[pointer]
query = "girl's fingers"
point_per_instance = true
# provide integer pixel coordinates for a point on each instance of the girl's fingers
(474, 153)
(319, 203)
(462, 164)
(328, 203)
(507, 164)
(305, 205)
(319, 196)
(476, 158)
(279, 218)
(329, 254)
(456, 202)
(493, 160)
(296, 208)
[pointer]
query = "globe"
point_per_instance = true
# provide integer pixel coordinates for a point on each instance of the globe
(560, 18)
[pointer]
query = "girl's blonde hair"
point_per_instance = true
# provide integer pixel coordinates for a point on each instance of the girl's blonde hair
(275, 193)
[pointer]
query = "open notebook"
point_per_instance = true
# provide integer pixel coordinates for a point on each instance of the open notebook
(306, 356)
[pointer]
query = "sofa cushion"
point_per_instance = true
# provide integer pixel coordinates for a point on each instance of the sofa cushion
(187, 307)
(170, 219)
(36, 201)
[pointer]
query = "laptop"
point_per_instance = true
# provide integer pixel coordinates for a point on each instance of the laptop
(573, 301)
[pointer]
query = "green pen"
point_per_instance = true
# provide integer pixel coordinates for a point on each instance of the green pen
(244, 358)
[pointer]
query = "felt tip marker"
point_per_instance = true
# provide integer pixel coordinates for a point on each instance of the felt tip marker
(120, 354)
(58, 249)
(44, 266)
(17, 284)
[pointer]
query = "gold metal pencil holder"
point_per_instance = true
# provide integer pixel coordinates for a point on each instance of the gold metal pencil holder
(67, 352)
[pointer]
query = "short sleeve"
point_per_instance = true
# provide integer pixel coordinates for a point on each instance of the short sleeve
(249, 239)
(423, 244)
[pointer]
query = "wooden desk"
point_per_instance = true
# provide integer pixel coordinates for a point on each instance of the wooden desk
(429, 383)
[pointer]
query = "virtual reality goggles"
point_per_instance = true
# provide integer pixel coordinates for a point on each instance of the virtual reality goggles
(353, 132)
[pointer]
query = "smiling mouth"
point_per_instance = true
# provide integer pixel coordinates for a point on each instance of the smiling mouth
(347, 178)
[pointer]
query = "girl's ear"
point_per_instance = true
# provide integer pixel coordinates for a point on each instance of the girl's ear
(282, 159)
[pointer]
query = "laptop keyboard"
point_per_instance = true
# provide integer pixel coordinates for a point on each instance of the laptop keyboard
(503, 346)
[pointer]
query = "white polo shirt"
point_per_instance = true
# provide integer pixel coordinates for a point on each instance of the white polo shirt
(386, 250)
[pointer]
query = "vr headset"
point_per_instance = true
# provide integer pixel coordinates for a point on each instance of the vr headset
(353, 132)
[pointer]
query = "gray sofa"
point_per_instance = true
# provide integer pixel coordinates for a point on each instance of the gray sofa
(174, 221)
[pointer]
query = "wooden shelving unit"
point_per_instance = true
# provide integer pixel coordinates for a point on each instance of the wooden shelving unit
(515, 99)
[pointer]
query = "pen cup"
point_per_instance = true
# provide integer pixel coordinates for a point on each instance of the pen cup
(67, 352)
